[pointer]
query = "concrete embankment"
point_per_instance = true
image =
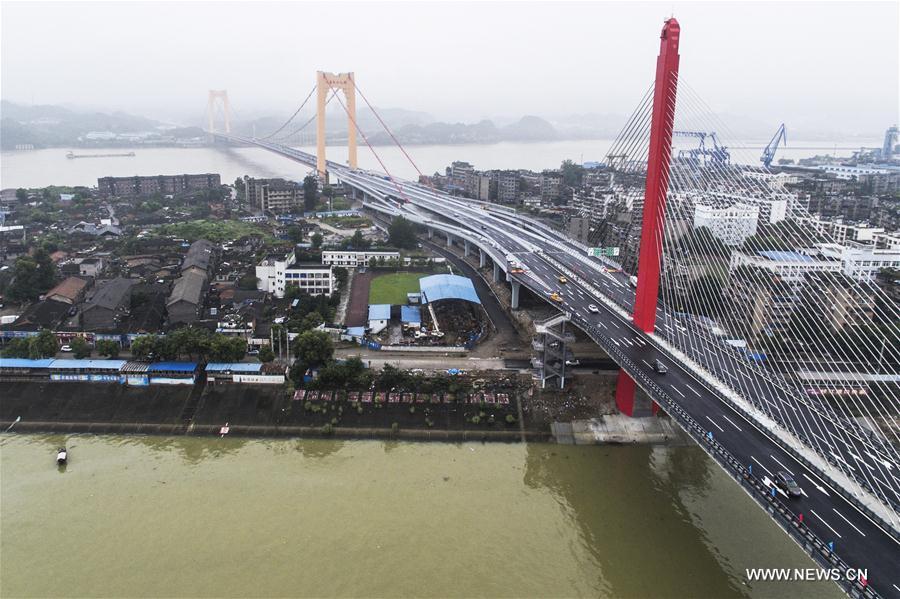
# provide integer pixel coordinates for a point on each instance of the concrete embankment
(619, 429)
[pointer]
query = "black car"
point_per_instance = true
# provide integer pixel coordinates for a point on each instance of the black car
(787, 484)
(659, 367)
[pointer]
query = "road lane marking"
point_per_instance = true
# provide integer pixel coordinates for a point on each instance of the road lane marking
(732, 423)
(818, 487)
(813, 512)
(761, 464)
(842, 460)
(714, 423)
(848, 522)
(601, 324)
(646, 362)
(675, 389)
(780, 464)
(694, 390)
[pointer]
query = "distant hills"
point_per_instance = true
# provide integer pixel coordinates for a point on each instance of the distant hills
(53, 126)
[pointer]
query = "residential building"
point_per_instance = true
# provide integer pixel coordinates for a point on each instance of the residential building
(91, 267)
(276, 275)
(108, 305)
(481, 187)
(199, 256)
(550, 186)
(185, 303)
(507, 185)
(278, 196)
(790, 267)
(861, 261)
(732, 225)
(579, 228)
(164, 184)
(70, 291)
(353, 259)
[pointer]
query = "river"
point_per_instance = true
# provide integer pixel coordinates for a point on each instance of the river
(39, 168)
(139, 516)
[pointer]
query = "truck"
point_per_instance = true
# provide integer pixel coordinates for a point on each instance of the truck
(633, 280)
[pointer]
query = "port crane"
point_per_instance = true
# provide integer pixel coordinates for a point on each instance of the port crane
(715, 154)
(768, 154)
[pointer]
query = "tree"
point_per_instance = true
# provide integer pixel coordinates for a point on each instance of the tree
(295, 234)
(571, 173)
(349, 374)
(32, 275)
(248, 281)
(341, 275)
(80, 348)
(266, 354)
(313, 348)
(145, 347)
(43, 345)
(21, 195)
(108, 348)
(316, 240)
(17, 348)
(358, 242)
(402, 233)
(310, 192)
(311, 321)
(227, 349)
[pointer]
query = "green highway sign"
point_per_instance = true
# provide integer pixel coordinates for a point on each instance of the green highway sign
(603, 252)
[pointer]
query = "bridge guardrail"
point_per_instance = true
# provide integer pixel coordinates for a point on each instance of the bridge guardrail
(849, 497)
(789, 522)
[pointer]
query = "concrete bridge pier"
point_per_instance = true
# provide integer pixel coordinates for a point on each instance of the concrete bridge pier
(482, 258)
(514, 301)
(466, 248)
(449, 240)
(496, 272)
(430, 233)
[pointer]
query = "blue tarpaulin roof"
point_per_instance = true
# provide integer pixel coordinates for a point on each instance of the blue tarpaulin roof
(410, 314)
(356, 331)
(233, 367)
(173, 367)
(379, 311)
(438, 287)
(89, 364)
(24, 363)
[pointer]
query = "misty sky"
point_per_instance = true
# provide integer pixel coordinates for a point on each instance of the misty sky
(832, 66)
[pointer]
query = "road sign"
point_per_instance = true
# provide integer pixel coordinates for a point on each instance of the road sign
(603, 252)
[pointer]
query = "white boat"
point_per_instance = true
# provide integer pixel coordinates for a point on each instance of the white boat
(61, 456)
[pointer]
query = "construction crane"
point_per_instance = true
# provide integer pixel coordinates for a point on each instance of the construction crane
(768, 154)
(715, 154)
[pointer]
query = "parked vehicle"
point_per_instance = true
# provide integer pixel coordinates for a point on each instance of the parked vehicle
(65, 348)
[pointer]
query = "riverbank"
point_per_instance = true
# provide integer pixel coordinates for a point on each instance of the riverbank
(506, 409)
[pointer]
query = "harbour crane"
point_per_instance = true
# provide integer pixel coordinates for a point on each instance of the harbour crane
(768, 154)
(715, 154)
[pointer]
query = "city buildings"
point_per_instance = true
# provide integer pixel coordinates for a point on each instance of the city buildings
(731, 225)
(276, 275)
(164, 184)
(274, 195)
(353, 258)
(108, 305)
(789, 266)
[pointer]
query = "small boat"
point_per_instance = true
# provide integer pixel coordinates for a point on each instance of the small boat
(61, 456)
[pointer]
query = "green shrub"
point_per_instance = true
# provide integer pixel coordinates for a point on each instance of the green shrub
(510, 419)
(412, 409)
(475, 419)
(327, 429)
(395, 426)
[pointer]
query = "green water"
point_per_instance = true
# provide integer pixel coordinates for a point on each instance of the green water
(204, 517)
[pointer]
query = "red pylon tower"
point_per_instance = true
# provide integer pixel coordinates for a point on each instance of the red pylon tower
(657, 186)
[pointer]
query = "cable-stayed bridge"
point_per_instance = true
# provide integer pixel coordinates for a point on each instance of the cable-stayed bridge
(811, 385)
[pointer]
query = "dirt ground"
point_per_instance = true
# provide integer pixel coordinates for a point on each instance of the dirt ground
(585, 396)
(358, 309)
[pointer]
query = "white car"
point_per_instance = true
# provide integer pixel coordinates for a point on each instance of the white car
(593, 309)
(65, 348)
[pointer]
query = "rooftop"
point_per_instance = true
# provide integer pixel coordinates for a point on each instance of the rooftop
(379, 311)
(438, 287)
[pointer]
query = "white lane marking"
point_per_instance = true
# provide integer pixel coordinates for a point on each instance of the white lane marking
(601, 324)
(884, 463)
(840, 459)
(715, 425)
(675, 389)
(646, 362)
(860, 460)
(769, 483)
(761, 464)
(694, 390)
(732, 423)
(895, 586)
(780, 464)
(813, 512)
(614, 341)
(848, 522)
(818, 487)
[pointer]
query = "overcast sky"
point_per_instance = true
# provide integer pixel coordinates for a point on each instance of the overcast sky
(830, 65)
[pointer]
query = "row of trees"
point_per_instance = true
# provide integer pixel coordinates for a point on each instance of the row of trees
(191, 343)
(31, 276)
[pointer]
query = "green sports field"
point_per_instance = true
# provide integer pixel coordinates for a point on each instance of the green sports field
(392, 288)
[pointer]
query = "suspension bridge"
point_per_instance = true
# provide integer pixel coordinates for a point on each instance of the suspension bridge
(825, 419)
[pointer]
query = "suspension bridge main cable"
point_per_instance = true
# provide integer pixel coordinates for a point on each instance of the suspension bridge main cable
(293, 116)
(308, 121)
